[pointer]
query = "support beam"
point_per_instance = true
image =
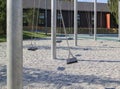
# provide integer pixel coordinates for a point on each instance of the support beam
(119, 20)
(95, 19)
(46, 17)
(75, 22)
(53, 29)
(14, 44)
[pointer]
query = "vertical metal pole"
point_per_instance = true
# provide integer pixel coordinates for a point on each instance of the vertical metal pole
(95, 19)
(75, 22)
(46, 17)
(119, 20)
(14, 44)
(53, 29)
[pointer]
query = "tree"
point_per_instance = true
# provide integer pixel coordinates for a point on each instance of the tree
(27, 16)
(113, 6)
(3, 15)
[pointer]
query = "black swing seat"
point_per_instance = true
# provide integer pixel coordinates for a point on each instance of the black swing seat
(58, 41)
(70, 38)
(32, 48)
(72, 60)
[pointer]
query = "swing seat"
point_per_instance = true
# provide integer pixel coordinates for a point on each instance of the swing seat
(72, 60)
(58, 41)
(61, 35)
(70, 38)
(32, 48)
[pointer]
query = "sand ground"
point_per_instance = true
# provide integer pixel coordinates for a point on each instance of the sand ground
(98, 65)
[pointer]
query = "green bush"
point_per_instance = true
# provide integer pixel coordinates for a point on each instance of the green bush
(3, 16)
(88, 31)
(80, 30)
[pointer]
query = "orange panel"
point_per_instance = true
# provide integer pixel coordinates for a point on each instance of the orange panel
(108, 21)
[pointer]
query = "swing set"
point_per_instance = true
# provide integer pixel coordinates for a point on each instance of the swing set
(14, 41)
(33, 47)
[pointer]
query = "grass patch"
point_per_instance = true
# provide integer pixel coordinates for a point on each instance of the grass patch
(26, 35)
(2, 38)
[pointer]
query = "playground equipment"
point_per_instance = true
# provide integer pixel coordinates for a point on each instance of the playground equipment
(90, 21)
(119, 20)
(53, 27)
(14, 41)
(33, 46)
(14, 44)
(71, 59)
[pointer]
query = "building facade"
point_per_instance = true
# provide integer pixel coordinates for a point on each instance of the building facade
(85, 13)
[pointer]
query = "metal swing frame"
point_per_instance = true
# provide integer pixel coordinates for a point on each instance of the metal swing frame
(53, 27)
(71, 59)
(33, 46)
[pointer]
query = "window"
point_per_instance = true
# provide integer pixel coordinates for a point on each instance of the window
(59, 19)
(42, 18)
(59, 16)
(25, 22)
(92, 19)
(78, 19)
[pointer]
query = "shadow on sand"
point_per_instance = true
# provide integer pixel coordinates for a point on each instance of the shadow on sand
(62, 79)
(31, 75)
